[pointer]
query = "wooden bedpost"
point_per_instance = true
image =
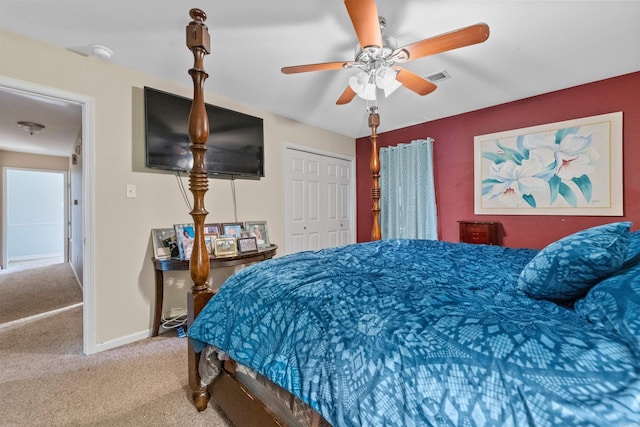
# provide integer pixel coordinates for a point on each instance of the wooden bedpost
(374, 165)
(198, 41)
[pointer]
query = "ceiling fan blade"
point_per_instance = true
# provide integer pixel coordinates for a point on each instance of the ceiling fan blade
(448, 41)
(346, 96)
(364, 16)
(314, 67)
(414, 82)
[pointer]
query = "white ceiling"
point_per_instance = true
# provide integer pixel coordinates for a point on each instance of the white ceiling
(62, 123)
(534, 47)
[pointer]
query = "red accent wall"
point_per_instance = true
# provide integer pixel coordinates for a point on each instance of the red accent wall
(453, 158)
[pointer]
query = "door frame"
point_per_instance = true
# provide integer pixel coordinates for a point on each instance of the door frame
(352, 184)
(87, 103)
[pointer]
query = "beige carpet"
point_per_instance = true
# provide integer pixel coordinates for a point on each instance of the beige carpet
(28, 292)
(46, 381)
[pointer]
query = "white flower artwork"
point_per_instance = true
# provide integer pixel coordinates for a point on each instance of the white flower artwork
(566, 168)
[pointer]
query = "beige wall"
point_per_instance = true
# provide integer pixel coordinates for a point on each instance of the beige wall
(123, 274)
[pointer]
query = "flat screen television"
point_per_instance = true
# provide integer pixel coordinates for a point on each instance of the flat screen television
(235, 147)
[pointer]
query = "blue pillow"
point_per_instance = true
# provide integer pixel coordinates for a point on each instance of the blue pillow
(614, 304)
(569, 267)
(634, 246)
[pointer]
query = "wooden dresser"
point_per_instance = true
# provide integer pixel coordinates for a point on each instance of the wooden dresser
(479, 232)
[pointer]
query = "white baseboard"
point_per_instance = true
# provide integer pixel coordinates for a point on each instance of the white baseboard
(33, 257)
(119, 342)
(38, 316)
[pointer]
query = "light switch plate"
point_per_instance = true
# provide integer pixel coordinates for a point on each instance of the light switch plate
(131, 191)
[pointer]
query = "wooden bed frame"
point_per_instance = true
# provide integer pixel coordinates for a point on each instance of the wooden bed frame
(241, 406)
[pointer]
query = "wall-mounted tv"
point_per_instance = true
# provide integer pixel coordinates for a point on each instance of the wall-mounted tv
(235, 147)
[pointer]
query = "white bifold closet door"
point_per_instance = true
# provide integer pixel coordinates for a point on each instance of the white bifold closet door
(319, 201)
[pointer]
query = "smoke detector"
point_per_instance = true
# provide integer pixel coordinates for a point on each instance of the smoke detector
(93, 50)
(101, 51)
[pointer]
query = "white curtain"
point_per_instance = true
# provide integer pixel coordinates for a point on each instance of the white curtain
(408, 198)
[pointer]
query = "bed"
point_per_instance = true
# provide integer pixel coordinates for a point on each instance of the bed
(417, 332)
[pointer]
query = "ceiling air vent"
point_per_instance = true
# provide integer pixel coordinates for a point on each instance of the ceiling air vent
(438, 77)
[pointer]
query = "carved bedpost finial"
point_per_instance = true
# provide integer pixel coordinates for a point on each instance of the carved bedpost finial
(197, 31)
(374, 165)
(198, 16)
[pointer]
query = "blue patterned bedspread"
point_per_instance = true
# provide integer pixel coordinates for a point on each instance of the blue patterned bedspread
(419, 333)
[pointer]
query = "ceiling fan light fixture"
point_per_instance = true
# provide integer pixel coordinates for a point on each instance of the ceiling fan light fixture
(385, 77)
(363, 86)
(386, 80)
(31, 127)
(391, 88)
(369, 92)
(355, 84)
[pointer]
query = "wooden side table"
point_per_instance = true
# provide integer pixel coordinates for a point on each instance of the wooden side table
(173, 264)
(478, 232)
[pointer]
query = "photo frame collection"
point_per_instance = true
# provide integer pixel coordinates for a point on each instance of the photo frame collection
(221, 239)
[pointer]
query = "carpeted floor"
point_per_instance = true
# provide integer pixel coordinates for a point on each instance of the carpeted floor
(45, 379)
(28, 292)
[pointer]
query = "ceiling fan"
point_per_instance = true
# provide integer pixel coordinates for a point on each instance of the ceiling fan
(377, 55)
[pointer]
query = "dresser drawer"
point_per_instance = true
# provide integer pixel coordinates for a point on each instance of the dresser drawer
(485, 233)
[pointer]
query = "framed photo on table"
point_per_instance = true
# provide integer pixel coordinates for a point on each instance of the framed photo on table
(212, 229)
(164, 243)
(185, 234)
(209, 242)
(232, 229)
(259, 230)
(247, 244)
(225, 246)
(211, 232)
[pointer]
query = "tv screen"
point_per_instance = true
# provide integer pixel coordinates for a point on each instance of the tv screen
(235, 147)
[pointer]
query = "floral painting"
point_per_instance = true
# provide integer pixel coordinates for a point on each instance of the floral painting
(566, 168)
